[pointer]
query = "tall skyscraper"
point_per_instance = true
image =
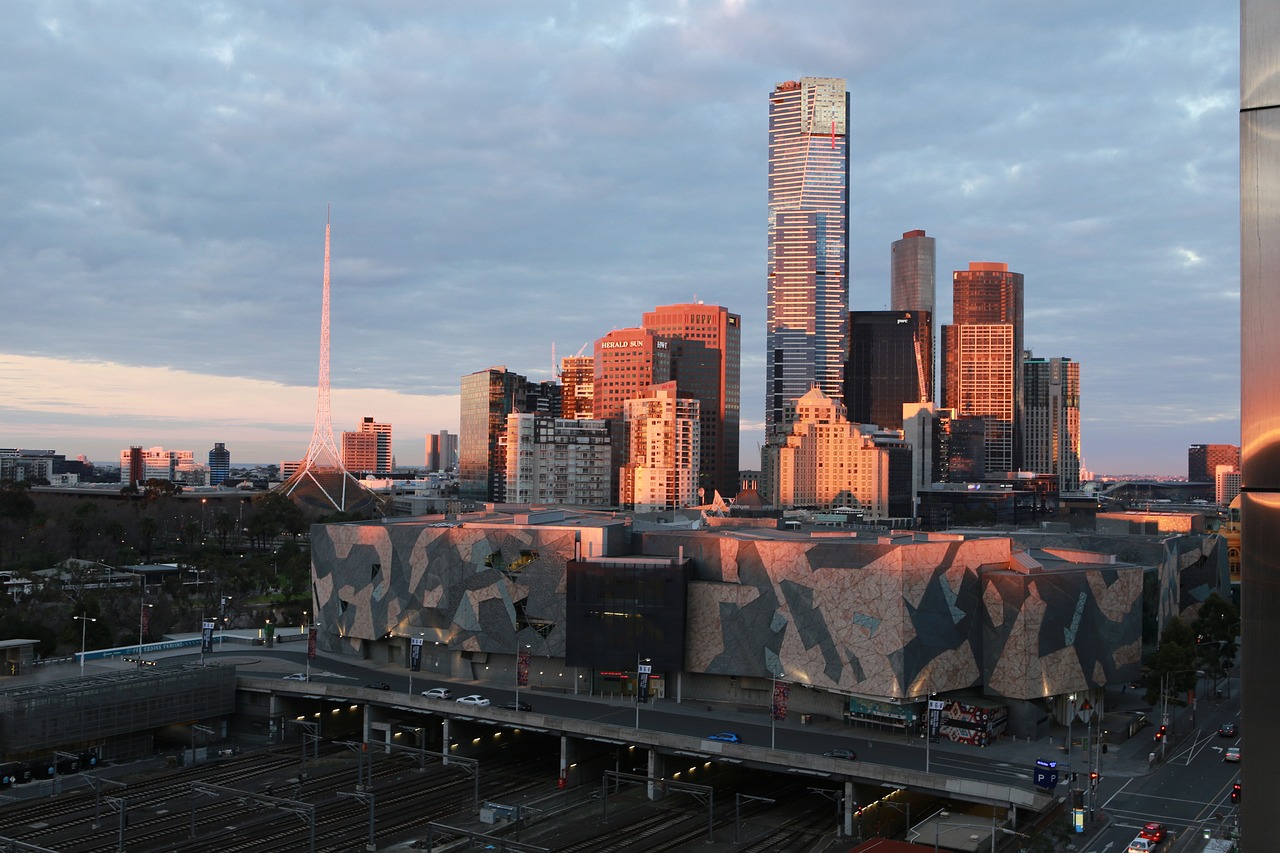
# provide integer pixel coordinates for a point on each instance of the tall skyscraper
(913, 285)
(808, 245)
(488, 396)
(982, 359)
(890, 362)
(219, 463)
(706, 364)
(1203, 460)
(1051, 419)
(577, 377)
(382, 444)
(627, 362)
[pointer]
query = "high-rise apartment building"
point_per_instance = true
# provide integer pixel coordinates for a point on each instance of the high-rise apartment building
(219, 463)
(662, 436)
(488, 396)
(1226, 484)
(368, 449)
(442, 451)
(706, 363)
(808, 242)
(577, 378)
(627, 363)
(826, 461)
(982, 359)
(1051, 419)
(890, 364)
(913, 285)
(1203, 460)
(560, 460)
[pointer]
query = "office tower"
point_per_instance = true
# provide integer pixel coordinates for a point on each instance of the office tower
(219, 463)
(627, 362)
(1203, 460)
(928, 430)
(442, 451)
(913, 285)
(560, 460)
(808, 242)
(890, 354)
(982, 359)
(577, 377)
(714, 382)
(488, 396)
(663, 438)
(1051, 419)
(827, 461)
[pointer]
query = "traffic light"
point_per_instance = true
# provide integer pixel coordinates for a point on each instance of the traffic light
(1104, 749)
(1235, 793)
(1093, 779)
(1160, 733)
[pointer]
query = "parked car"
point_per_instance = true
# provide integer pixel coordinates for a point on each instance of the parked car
(378, 685)
(437, 693)
(1232, 754)
(518, 706)
(847, 754)
(726, 737)
(474, 699)
(1228, 730)
(297, 676)
(1153, 831)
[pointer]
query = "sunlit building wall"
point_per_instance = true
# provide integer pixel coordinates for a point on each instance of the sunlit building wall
(808, 238)
(627, 362)
(826, 461)
(714, 382)
(982, 359)
(663, 441)
(577, 379)
(1203, 460)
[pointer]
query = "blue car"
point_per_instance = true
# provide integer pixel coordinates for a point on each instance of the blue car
(727, 737)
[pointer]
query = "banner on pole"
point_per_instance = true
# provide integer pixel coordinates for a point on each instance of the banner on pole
(206, 636)
(311, 642)
(642, 688)
(522, 668)
(781, 699)
(415, 654)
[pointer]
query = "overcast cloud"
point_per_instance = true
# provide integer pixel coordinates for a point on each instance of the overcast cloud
(506, 177)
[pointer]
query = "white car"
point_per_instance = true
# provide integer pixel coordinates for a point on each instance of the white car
(437, 693)
(473, 699)
(1141, 845)
(297, 676)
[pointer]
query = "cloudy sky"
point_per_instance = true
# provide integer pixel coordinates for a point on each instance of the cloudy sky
(512, 179)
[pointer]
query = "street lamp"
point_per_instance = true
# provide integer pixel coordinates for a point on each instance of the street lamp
(84, 623)
(640, 662)
(773, 705)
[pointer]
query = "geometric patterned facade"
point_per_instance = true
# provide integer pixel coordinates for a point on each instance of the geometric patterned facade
(1019, 616)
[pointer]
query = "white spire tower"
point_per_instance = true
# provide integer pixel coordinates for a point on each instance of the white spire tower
(321, 479)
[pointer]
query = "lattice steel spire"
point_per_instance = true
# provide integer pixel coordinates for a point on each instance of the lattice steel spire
(321, 478)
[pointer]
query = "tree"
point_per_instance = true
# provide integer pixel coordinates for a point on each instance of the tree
(1173, 666)
(1216, 626)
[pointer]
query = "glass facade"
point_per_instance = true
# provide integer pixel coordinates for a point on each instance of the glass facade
(488, 396)
(808, 238)
(890, 361)
(618, 610)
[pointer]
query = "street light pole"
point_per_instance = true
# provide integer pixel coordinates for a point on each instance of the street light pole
(84, 623)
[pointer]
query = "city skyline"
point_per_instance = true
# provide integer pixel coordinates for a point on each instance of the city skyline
(556, 172)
